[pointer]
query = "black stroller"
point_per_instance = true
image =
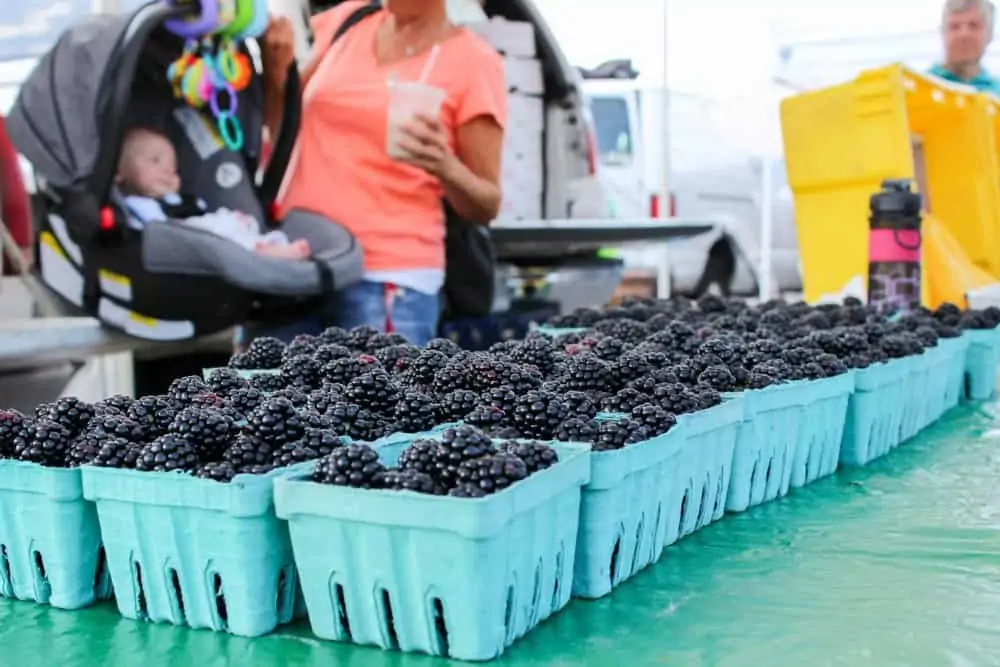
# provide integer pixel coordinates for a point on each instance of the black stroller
(165, 281)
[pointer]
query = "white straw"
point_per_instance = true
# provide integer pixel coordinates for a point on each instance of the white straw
(429, 64)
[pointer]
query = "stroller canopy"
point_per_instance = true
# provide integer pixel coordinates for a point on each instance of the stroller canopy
(59, 120)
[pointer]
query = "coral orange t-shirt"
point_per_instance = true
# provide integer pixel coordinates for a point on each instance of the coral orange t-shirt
(340, 167)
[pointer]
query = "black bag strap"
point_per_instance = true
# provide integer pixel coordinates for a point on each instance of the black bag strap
(356, 17)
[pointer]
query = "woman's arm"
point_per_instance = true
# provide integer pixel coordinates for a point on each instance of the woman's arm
(471, 177)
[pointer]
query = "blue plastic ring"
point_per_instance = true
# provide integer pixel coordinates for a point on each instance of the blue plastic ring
(230, 131)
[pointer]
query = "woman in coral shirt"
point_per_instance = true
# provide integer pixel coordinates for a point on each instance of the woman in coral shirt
(341, 168)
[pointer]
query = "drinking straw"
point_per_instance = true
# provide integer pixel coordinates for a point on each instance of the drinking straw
(429, 64)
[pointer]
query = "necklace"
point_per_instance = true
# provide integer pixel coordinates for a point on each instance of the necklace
(429, 37)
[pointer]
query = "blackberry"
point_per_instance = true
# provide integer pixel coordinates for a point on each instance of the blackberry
(119, 403)
(295, 395)
(707, 396)
(324, 354)
(322, 440)
(587, 372)
(374, 390)
(617, 433)
(425, 456)
(44, 442)
(217, 403)
(579, 404)
(537, 352)
(831, 364)
(84, 449)
(355, 422)
(321, 400)
(183, 390)
(486, 417)
(224, 381)
(629, 367)
(654, 418)
(275, 422)
(168, 453)
(812, 371)
(408, 480)
(244, 401)
(760, 380)
(610, 348)
(443, 345)
(506, 433)
(301, 345)
(247, 451)
(624, 400)
(460, 444)
(302, 372)
(927, 336)
(334, 336)
(116, 453)
(153, 414)
(451, 377)
(504, 398)
(421, 370)
(262, 354)
(719, 378)
(576, 429)
(457, 404)
(517, 377)
(313, 419)
(267, 382)
(294, 452)
(538, 414)
(208, 430)
(397, 358)
(380, 341)
(13, 425)
(467, 491)
(357, 338)
(416, 412)
(342, 371)
(491, 473)
(779, 369)
(355, 465)
(217, 471)
(627, 330)
(118, 426)
(69, 412)
(535, 455)
(505, 348)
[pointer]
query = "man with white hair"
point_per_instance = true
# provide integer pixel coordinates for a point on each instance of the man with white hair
(967, 28)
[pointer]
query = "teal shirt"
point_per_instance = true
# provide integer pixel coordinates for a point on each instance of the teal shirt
(982, 81)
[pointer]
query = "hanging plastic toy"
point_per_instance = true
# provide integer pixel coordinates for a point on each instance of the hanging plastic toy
(211, 71)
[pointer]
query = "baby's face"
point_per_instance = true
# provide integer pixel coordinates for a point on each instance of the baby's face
(149, 165)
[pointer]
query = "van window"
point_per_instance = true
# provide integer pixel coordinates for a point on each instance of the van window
(614, 134)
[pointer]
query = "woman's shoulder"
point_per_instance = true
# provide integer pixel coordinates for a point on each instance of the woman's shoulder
(328, 20)
(478, 48)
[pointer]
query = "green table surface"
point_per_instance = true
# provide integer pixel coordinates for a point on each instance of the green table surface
(894, 565)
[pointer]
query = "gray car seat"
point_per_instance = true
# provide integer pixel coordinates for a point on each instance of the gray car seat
(167, 281)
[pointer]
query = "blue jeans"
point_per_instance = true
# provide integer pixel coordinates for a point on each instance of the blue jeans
(413, 314)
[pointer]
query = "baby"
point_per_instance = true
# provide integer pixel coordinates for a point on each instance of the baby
(147, 176)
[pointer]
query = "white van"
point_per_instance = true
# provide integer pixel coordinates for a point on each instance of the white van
(562, 180)
(709, 179)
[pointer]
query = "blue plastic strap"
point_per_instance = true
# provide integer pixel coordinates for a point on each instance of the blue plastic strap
(230, 130)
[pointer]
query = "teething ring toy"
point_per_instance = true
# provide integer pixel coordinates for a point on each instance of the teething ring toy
(243, 71)
(216, 108)
(230, 131)
(226, 63)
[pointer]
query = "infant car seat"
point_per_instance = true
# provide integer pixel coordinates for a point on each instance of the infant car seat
(167, 281)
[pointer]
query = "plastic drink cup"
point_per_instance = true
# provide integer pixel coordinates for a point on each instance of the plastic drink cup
(406, 100)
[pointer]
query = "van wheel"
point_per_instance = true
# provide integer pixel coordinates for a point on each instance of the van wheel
(720, 269)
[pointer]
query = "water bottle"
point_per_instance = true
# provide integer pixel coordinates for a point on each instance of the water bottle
(894, 248)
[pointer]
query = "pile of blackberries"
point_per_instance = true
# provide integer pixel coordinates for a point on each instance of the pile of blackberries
(216, 429)
(462, 462)
(623, 379)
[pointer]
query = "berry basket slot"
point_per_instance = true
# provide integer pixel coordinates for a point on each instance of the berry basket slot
(627, 510)
(875, 411)
(821, 428)
(193, 551)
(455, 577)
(50, 543)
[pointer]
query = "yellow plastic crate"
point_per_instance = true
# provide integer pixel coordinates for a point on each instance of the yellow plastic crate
(841, 142)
